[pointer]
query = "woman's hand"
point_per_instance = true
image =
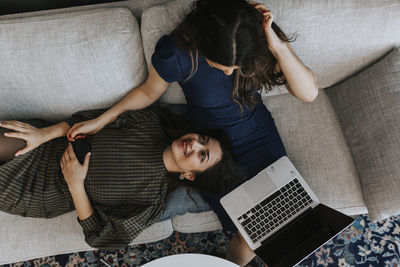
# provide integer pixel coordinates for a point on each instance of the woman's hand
(33, 136)
(74, 173)
(85, 127)
(274, 42)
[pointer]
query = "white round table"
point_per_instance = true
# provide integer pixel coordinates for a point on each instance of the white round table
(190, 259)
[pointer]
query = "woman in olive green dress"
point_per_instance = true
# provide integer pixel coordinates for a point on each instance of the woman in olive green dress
(121, 187)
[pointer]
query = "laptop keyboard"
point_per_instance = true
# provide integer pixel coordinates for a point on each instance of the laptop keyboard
(273, 211)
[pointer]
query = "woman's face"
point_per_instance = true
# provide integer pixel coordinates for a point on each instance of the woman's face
(196, 153)
(228, 70)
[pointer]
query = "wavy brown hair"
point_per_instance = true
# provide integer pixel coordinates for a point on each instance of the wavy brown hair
(230, 32)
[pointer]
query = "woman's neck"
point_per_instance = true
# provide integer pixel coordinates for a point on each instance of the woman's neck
(168, 161)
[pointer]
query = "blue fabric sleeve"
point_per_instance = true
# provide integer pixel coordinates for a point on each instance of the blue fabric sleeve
(165, 60)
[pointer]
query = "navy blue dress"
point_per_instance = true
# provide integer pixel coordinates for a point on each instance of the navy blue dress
(255, 139)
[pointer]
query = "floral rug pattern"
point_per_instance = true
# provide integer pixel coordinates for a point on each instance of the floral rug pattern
(364, 243)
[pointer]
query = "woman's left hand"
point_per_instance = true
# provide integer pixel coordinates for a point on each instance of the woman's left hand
(274, 42)
(33, 136)
(74, 173)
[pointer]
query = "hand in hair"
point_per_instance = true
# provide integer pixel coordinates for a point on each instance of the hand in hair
(274, 42)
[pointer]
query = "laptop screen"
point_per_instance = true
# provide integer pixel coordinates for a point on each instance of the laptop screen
(302, 236)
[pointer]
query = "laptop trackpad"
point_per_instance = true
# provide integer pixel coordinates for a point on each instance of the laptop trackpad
(259, 187)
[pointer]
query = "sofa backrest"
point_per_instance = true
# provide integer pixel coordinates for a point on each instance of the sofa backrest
(334, 38)
(54, 65)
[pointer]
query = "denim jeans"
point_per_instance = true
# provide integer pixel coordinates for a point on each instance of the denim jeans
(179, 202)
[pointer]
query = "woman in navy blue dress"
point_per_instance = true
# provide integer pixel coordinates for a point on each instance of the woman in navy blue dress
(223, 54)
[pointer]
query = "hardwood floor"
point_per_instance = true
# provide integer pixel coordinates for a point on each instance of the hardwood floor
(18, 6)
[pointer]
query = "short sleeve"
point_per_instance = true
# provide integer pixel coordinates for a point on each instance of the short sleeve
(165, 60)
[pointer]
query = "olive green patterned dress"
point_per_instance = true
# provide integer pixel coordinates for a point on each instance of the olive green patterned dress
(126, 183)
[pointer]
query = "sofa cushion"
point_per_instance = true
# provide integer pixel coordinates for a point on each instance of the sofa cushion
(60, 235)
(338, 38)
(369, 112)
(54, 65)
(316, 145)
(156, 22)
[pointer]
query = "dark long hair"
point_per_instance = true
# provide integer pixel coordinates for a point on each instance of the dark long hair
(230, 32)
(218, 178)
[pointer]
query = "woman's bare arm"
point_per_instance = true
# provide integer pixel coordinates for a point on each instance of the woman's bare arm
(33, 136)
(139, 98)
(81, 201)
(55, 131)
(74, 174)
(300, 80)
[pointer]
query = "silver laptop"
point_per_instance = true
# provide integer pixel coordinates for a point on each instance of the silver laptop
(280, 217)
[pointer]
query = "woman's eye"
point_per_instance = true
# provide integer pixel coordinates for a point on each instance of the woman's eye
(203, 156)
(202, 139)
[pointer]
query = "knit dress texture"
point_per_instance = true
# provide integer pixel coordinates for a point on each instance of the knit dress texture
(126, 182)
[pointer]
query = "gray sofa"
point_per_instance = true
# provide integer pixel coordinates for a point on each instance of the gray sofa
(53, 63)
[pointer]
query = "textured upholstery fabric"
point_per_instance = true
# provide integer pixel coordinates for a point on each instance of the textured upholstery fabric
(30, 238)
(156, 22)
(135, 6)
(315, 144)
(338, 38)
(334, 38)
(368, 108)
(196, 222)
(54, 65)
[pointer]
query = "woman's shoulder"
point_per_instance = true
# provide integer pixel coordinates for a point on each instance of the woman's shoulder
(168, 45)
(172, 62)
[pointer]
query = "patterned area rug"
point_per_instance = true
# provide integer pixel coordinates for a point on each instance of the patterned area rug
(364, 243)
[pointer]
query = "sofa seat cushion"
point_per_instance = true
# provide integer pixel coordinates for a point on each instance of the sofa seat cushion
(368, 107)
(60, 235)
(54, 65)
(315, 144)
